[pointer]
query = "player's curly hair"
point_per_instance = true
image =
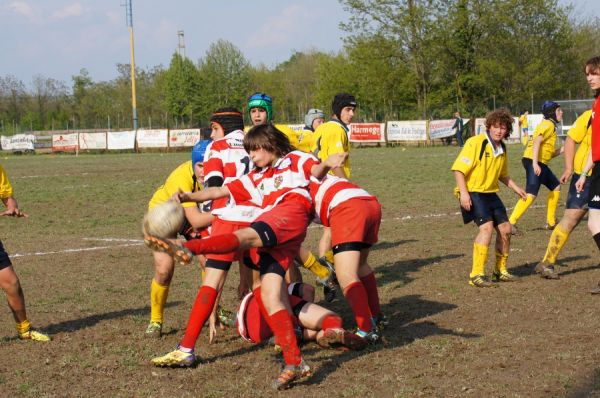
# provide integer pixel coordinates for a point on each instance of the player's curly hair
(269, 138)
(500, 116)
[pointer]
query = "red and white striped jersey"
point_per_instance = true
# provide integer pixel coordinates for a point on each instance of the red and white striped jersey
(330, 192)
(268, 186)
(226, 158)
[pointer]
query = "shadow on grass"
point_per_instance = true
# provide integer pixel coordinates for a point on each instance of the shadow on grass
(388, 245)
(529, 268)
(402, 330)
(398, 271)
(89, 321)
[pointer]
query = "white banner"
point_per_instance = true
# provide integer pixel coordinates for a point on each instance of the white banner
(181, 138)
(153, 138)
(441, 128)
(412, 130)
(479, 125)
(92, 140)
(65, 142)
(120, 139)
(18, 142)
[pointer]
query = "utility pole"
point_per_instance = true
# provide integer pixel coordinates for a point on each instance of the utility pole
(180, 44)
(129, 18)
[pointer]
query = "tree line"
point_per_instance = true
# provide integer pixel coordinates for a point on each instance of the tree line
(402, 59)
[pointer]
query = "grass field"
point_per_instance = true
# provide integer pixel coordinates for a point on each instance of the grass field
(86, 276)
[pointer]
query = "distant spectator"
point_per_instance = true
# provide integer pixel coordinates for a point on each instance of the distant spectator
(458, 126)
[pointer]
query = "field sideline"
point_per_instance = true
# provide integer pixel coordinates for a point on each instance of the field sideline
(86, 276)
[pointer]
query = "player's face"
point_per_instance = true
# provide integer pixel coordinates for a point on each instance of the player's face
(593, 77)
(258, 116)
(559, 114)
(216, 131)
(497, 132)
(317, 122)
(347, 114)
(262, 158)
(199, 172)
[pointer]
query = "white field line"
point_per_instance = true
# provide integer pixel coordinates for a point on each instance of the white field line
(138, 242)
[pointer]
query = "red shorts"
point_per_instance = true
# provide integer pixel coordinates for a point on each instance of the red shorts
(289, 220)
(355, 220)
(251, 324)
(220, 227)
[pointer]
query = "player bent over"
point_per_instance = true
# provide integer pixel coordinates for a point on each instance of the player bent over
(188, 176)
(353, 217)
(9, 281)
(477, 169)
(278, 188)
(577, 202)
(315, 323)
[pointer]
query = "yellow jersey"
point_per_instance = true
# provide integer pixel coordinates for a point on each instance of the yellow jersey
(581, 133)
(329, 138)
(285, 129)
(524, 122)
(547, 130)
(181, 178)
(6, 190)
(305, 140)
(482, 164)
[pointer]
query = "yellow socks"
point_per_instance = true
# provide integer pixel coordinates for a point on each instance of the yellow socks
(557, 240)
(520, 208)
(480, 253)
(23, 327)
(501, 262)
(314, 266)
(158, 298)
(551, 205)
(329, 256)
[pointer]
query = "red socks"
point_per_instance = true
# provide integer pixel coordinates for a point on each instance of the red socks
(371, 287)
(357, 298)
(218, 244)
(283, 329)
(331, 322)
(205, 301)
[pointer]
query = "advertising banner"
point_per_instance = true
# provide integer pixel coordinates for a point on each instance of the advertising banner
(367, 132)
(65, 142)
(441, 128)
(92, 140)
(183, 138)
(296, 127)
(17, 142)
(158, 138)
(479, 125)
(411, 130)
(120, 140)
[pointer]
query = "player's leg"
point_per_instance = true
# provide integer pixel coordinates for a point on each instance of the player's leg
(548, 178)
(164, 267)
(367, 277)
(9, 282)
(202, 308)
(532, 188)
(480, 253)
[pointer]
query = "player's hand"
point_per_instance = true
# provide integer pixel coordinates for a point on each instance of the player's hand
(521, 192)
(566, 175)
(580, 183)
(13, 212)
(336, 160)
(213, 322)
(180, 196)
(537, 169)
(465, 201)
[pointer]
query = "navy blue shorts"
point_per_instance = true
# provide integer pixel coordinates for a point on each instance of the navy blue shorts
(578, 200)
(594, 202)
(485, 207)
(4, 259)
(534, 182)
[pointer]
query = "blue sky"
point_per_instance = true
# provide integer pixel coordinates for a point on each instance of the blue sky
(56, 38)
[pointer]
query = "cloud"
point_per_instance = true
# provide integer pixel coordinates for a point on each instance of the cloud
(24, 9)
(280, 29)
(71, 10)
